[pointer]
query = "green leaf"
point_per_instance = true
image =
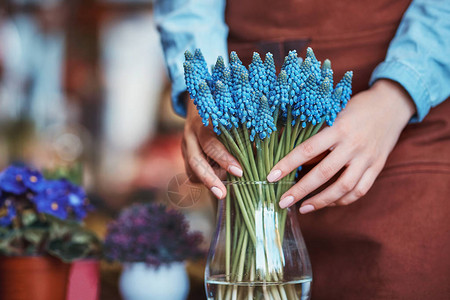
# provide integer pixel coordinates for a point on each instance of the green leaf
(67, 251)
(34, 235)
(28, 218)
(11, 242)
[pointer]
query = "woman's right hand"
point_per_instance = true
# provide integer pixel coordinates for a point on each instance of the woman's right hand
(200, 142)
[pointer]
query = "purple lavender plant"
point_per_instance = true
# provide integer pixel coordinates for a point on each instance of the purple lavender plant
(150, 233)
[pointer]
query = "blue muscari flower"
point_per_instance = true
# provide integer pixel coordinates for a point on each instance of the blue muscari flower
(7, 216)
(326, 71)
(292, 68)
(315, 64)
(218, 69)
(249, 103)
(305, 70)
(234, 59)
(234, 94)
(264, 120)
(192, 79)
(293, 71)
(226, 79)
(334, 106)
(325, 104)
(200, 65)
(258, 75)
(346, 85)
(226, 106)
(271, 73)
(207, 107)
(280, 95)
(188, 56)
(307, 107)
(240, 91)
(20, 180)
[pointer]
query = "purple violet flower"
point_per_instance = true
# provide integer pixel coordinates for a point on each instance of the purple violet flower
(150, 233)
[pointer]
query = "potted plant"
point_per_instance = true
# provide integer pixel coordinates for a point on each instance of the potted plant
(153, 243)
(40, 234)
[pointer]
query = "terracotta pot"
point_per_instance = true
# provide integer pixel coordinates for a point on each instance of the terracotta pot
(37, 278)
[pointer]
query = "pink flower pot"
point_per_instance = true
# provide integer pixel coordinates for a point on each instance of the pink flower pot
(84, 280)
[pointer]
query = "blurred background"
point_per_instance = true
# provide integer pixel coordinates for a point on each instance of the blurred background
(83, 85)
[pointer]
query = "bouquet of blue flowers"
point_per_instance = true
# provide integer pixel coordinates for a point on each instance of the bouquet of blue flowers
(40, 216)
(260, 116)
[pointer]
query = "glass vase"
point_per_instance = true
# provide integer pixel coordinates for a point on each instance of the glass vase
(258, 251)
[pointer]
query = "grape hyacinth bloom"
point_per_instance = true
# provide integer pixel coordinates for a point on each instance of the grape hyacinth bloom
(257, 103)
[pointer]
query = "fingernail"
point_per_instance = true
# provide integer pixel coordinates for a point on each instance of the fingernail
(217, 192)
(235, 171)
(273, 175)
(306, 209)
(286, 201)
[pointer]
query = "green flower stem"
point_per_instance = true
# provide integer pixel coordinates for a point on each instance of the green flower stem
(235, 149)
(237, 250)
(237, 223)
(248, 223)
(240, 272)
(297, 127)
(244, 156)
(228, 236)
(248, 198)
(250, 152)
(317, 128)
(288, 131)
(280, 147)
(273, 139)
(241, 242)
(308, 132)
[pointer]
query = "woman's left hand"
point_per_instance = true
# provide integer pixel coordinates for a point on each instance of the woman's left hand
(364, 134)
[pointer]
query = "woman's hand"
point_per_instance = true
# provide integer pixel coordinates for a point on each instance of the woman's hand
(360, 141)
(200, 142)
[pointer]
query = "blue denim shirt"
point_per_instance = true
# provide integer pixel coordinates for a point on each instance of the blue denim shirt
(418, 57)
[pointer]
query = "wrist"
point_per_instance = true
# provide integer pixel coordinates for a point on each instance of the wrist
(396, 97)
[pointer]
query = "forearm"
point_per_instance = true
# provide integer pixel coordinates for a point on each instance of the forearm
(187, 25)
(418, 58)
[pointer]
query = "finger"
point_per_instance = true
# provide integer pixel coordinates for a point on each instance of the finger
(361, 188)
(201, 168)
(304, 152)
(316, 159)
(319, 175)
(346, 182)
(214, 149)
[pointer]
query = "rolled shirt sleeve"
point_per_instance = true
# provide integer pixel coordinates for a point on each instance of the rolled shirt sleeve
(187, 25)
(418, 57)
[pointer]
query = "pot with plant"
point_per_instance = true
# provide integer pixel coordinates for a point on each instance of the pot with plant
(153, 244)
(40, 234)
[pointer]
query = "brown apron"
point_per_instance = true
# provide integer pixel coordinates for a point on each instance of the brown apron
(394, 243)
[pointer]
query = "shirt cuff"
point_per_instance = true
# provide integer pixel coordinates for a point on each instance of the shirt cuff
(410, 80)
(179, 97)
